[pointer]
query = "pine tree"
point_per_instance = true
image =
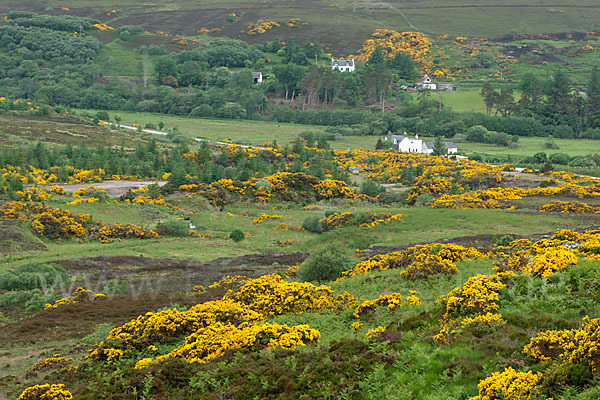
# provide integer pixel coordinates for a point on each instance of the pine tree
(593, 101)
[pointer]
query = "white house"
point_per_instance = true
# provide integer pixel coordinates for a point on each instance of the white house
(257, 77)
(427, 83)
(343, 65)
(404, 144)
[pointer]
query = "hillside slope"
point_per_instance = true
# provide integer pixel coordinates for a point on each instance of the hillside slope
(339, 24)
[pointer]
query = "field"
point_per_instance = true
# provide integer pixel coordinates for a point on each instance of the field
(239, 131)
(528, 146)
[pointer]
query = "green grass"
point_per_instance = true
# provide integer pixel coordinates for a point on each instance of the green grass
(250, 132)
(528, 146)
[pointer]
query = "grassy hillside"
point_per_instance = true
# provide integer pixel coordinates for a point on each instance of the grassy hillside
(341, 25)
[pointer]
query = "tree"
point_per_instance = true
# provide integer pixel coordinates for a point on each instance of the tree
(165, 67)
(403, 66)
(190, 74)
(560, 98)
(289, 75)
(376, 58)
(145, 67)
(311, 85)
(232, 110)
(439, 148)
(241, 80)
(593, 101)
(490, 97)
(505, 102)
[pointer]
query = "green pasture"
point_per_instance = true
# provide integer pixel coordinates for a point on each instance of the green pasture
(238, 131)
(528, 146)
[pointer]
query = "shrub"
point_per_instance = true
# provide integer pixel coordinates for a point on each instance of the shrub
(371, 188)
(312, 224)
(32, 276)
(172, 227)
(203, 110)
(325, 265)
(232, 110)
(583, 161)
(559, 158)
(103, 115)
(37, 302)
(237, 235)
(392, 197)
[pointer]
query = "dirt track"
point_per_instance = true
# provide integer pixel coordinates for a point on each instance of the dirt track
(114, 188)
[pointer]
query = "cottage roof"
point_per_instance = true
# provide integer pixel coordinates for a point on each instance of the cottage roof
(256, 74)
(447, 145)
(342, 63)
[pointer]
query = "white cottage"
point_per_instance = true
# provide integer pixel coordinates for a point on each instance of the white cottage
(343, 65)
(427, 83)
(404, 144)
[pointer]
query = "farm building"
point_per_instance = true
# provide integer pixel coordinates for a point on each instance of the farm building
(257, 77)
(426, 83)
(404, 144)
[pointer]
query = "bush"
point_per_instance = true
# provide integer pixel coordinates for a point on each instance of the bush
(392, 197)
(237, 235)
(371, 188)
(559, 158)
(172, 227)
(203, 110)
(17, 298)
(126, 32)
(550, 145)
(583, 161)
(37, 302)
(564, 132)
(312, 224)
(32, 276)
(232, 110)
(103, 115)
(325, 265)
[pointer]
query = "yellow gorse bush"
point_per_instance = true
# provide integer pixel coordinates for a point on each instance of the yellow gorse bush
(46, 392)
(53, 361)
(472, 305)
(415, 44)
(80, 295)
(510, 385)
(403, 259)
(569, 207)
(212, 342)
(570, 346)
(261, 26)
(391, 301)
(263, 217)
(238, 312)
(34, 194)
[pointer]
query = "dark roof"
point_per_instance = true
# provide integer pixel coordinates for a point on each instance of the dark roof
(447, 145)
(342, 63)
